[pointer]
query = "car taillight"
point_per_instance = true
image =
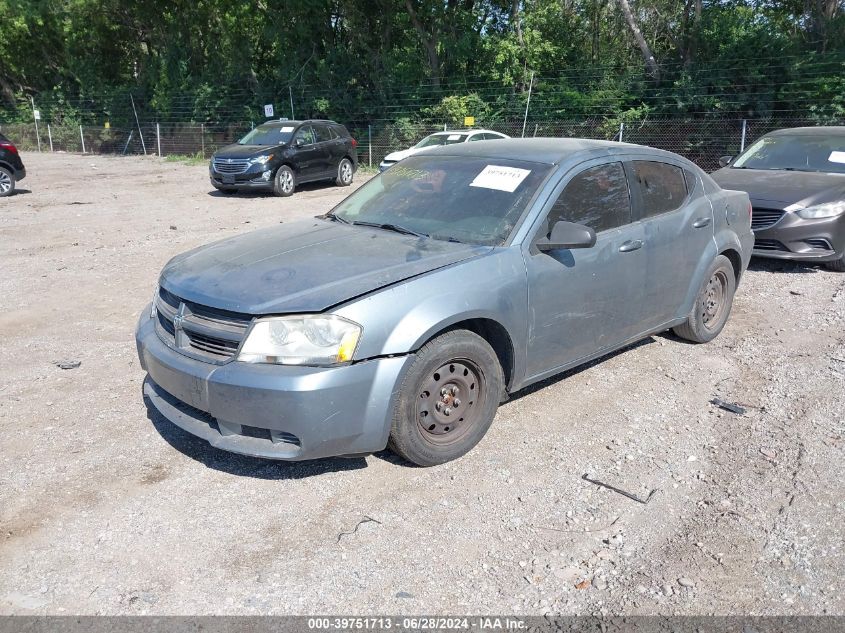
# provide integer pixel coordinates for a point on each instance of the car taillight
(9, 146)
(354, 143)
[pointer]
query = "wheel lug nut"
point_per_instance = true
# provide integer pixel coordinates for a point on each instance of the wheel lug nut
(456, 402)
(454, 391)
(438, 405)
(444, 391)
(447, 411)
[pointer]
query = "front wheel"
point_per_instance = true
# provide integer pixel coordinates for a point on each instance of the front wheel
(837, 265)
(712, 305)
(7, 182)
(284, 183)
(344, 173)
(447, 400)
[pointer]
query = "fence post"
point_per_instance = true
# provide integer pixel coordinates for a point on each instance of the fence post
(50, 136)
(535, 129)
(370, 142)
(138, 123)
(742, 142)
(158, 139)
(82, 137)
(527, 103)
(621, 130)
(35, 118)
(202, 138)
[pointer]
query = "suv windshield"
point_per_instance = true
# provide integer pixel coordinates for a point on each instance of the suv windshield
(799, 153)
(473, 200)
(268, 135)
(442, 139)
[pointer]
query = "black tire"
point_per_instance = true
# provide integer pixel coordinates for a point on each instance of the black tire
(344, 173)
(284, 182)
(712, 304)
(7, 182)
(837, 265)
(229, 191)
(447, 400)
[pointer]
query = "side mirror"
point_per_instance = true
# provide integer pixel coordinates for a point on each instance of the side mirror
(567, 235)
(724, 161)
(299, 141)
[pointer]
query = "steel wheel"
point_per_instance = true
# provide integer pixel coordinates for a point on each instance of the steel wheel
(447, 402)
(713, 301)
(6, 183)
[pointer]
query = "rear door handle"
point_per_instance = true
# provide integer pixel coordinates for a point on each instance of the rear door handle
(701, 223)
(630, 245)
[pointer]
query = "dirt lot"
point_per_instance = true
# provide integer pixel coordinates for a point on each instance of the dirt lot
(108, 509)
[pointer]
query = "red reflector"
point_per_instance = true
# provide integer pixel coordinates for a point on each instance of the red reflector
(9, 147)
(354, 143)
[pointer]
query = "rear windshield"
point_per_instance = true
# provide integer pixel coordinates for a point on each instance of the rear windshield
(795, 153)
(442, 139)
(464, 199)
(268, 135)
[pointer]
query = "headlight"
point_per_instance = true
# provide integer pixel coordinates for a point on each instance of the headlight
(261, 160)
(301, 340)
(827, 210)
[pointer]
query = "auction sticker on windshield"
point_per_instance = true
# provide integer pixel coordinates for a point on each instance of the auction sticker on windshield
(836, 157)
(287, 128)
(500, 178)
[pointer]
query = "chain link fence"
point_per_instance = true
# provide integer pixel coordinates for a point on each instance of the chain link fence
(702, 140)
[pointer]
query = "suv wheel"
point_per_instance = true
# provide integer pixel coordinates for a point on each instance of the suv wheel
(285, 182)
(344, 173)
(837, 265)
(447, 400)
(7, 182)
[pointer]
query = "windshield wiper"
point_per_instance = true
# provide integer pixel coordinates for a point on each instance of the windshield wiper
(390, 227)
(333, 217)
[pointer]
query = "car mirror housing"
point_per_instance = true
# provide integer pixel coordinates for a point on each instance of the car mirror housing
(567, 235)
(724, 161)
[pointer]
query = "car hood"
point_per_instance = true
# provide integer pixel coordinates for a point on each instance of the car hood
(305, 266)
(241, 151)
(783, 187)
(407, 152)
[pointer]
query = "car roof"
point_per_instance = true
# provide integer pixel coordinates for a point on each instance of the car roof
(541, 150)
(285, 122)
(819, 130)
(464, 132)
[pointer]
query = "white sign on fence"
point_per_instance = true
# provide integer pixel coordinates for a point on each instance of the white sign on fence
(268, 110)
(36, 114)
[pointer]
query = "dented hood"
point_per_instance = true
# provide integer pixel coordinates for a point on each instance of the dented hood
(305, 266)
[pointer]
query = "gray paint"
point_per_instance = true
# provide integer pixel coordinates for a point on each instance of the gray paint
(559, 309)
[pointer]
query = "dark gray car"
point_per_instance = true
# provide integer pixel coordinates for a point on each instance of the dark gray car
(407, 313)
(796, 181)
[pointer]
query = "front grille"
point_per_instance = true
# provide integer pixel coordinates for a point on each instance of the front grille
(199, 331)
(764, 218)
(230, 165)
(819, 243)
(769, 245)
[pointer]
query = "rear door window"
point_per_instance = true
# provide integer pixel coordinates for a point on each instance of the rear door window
(663, 187)
(306, 133)
(598, 197)
(322, 133)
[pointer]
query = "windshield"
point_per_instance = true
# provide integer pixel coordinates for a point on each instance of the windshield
(799, 153)
(268, 135)
(441, 139)
(473, 200)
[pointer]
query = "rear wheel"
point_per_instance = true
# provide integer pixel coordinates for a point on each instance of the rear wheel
(447, 400)
(7, 182)
(712, 305)
(344, 173)
(284, 182)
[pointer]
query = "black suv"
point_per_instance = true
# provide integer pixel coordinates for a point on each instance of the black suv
(11, 167)
(279, 155)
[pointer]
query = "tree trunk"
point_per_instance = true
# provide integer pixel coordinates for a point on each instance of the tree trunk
(429, 41)
(517, 28)
(650, 62)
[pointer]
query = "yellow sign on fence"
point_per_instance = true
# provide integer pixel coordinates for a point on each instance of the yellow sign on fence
(469, 120)
(108, 125)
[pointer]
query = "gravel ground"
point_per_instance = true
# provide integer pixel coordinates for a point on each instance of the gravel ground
(108, 509)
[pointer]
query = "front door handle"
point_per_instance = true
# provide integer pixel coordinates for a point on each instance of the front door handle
(630, 245)
(701, 223)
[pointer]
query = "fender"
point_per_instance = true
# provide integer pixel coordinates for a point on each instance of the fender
(489, 287)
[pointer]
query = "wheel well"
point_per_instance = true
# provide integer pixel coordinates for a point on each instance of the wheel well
(736, 261)
(496, 335)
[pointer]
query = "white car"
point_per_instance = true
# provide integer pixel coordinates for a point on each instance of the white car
(441, 138)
